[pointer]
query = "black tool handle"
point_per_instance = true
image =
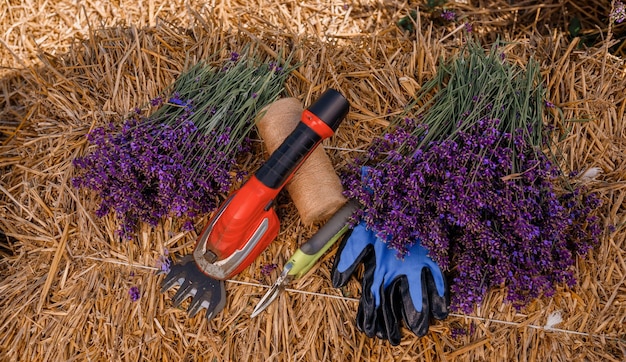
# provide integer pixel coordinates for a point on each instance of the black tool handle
(333, 227)
(319, 121)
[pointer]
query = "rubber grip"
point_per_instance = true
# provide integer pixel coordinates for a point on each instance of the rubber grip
(340, 219)
(286, 158)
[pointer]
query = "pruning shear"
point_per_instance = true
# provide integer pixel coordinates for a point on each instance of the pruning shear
(309, 253)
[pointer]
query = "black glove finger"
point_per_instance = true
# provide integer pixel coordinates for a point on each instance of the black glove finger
(381, 329)
(340, 279)
(367, 314)
(371, 322)
(392, 308)
(416, 321)
(359, 317)
(438, 304)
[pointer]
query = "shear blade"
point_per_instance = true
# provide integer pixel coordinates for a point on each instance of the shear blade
(211, 294)
(206, 292)
(267, 299)
(271, 295)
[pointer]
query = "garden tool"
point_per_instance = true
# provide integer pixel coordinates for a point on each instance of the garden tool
(246, 222)
(309, 253)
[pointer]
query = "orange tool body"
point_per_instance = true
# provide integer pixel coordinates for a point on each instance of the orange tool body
(246, 223)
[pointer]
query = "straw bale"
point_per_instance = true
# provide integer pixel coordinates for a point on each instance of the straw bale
(65, 276)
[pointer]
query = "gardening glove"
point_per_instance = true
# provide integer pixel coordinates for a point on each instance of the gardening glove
(393, 290)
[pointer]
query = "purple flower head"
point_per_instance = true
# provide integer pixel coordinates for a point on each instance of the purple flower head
(154, 102)
(618, 15)
(448, 15)
(275, 67)
(549, 104)
(175, 99)
(478, 192)
(268, 268)
(468, 27)
(457, 332)
(170, 164)
(164, 263)
(223, 139)
(142, 174)
(134, 294)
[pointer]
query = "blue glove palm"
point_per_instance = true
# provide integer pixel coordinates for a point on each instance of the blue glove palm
(393, 290)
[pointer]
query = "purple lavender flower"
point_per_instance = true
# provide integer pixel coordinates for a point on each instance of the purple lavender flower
(618, 15)
(457, 332)
(164, 263)
(477, 191)
(175, 99)
(181, 160)
(268, 268)
(448, 15)
(468, 27)
(275, 67)
(156, 101)
(549, 104)
(134, 293)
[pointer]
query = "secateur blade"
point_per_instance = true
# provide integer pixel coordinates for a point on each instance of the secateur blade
(205, 291)
(278, 287)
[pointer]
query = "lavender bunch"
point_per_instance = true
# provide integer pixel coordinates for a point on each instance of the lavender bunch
(181, 159)
(489, 227)
(469, 180)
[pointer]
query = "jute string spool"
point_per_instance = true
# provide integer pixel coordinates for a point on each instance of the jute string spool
(315, 188)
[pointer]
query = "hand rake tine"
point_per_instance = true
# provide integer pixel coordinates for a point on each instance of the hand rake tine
(199, 301)
(186, 289)
(176, 275)
(171, 280)
(218, 301)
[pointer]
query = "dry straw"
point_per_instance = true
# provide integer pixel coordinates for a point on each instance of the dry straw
(64, 277)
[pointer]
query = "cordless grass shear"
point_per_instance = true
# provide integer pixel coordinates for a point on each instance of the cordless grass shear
(246, 222)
